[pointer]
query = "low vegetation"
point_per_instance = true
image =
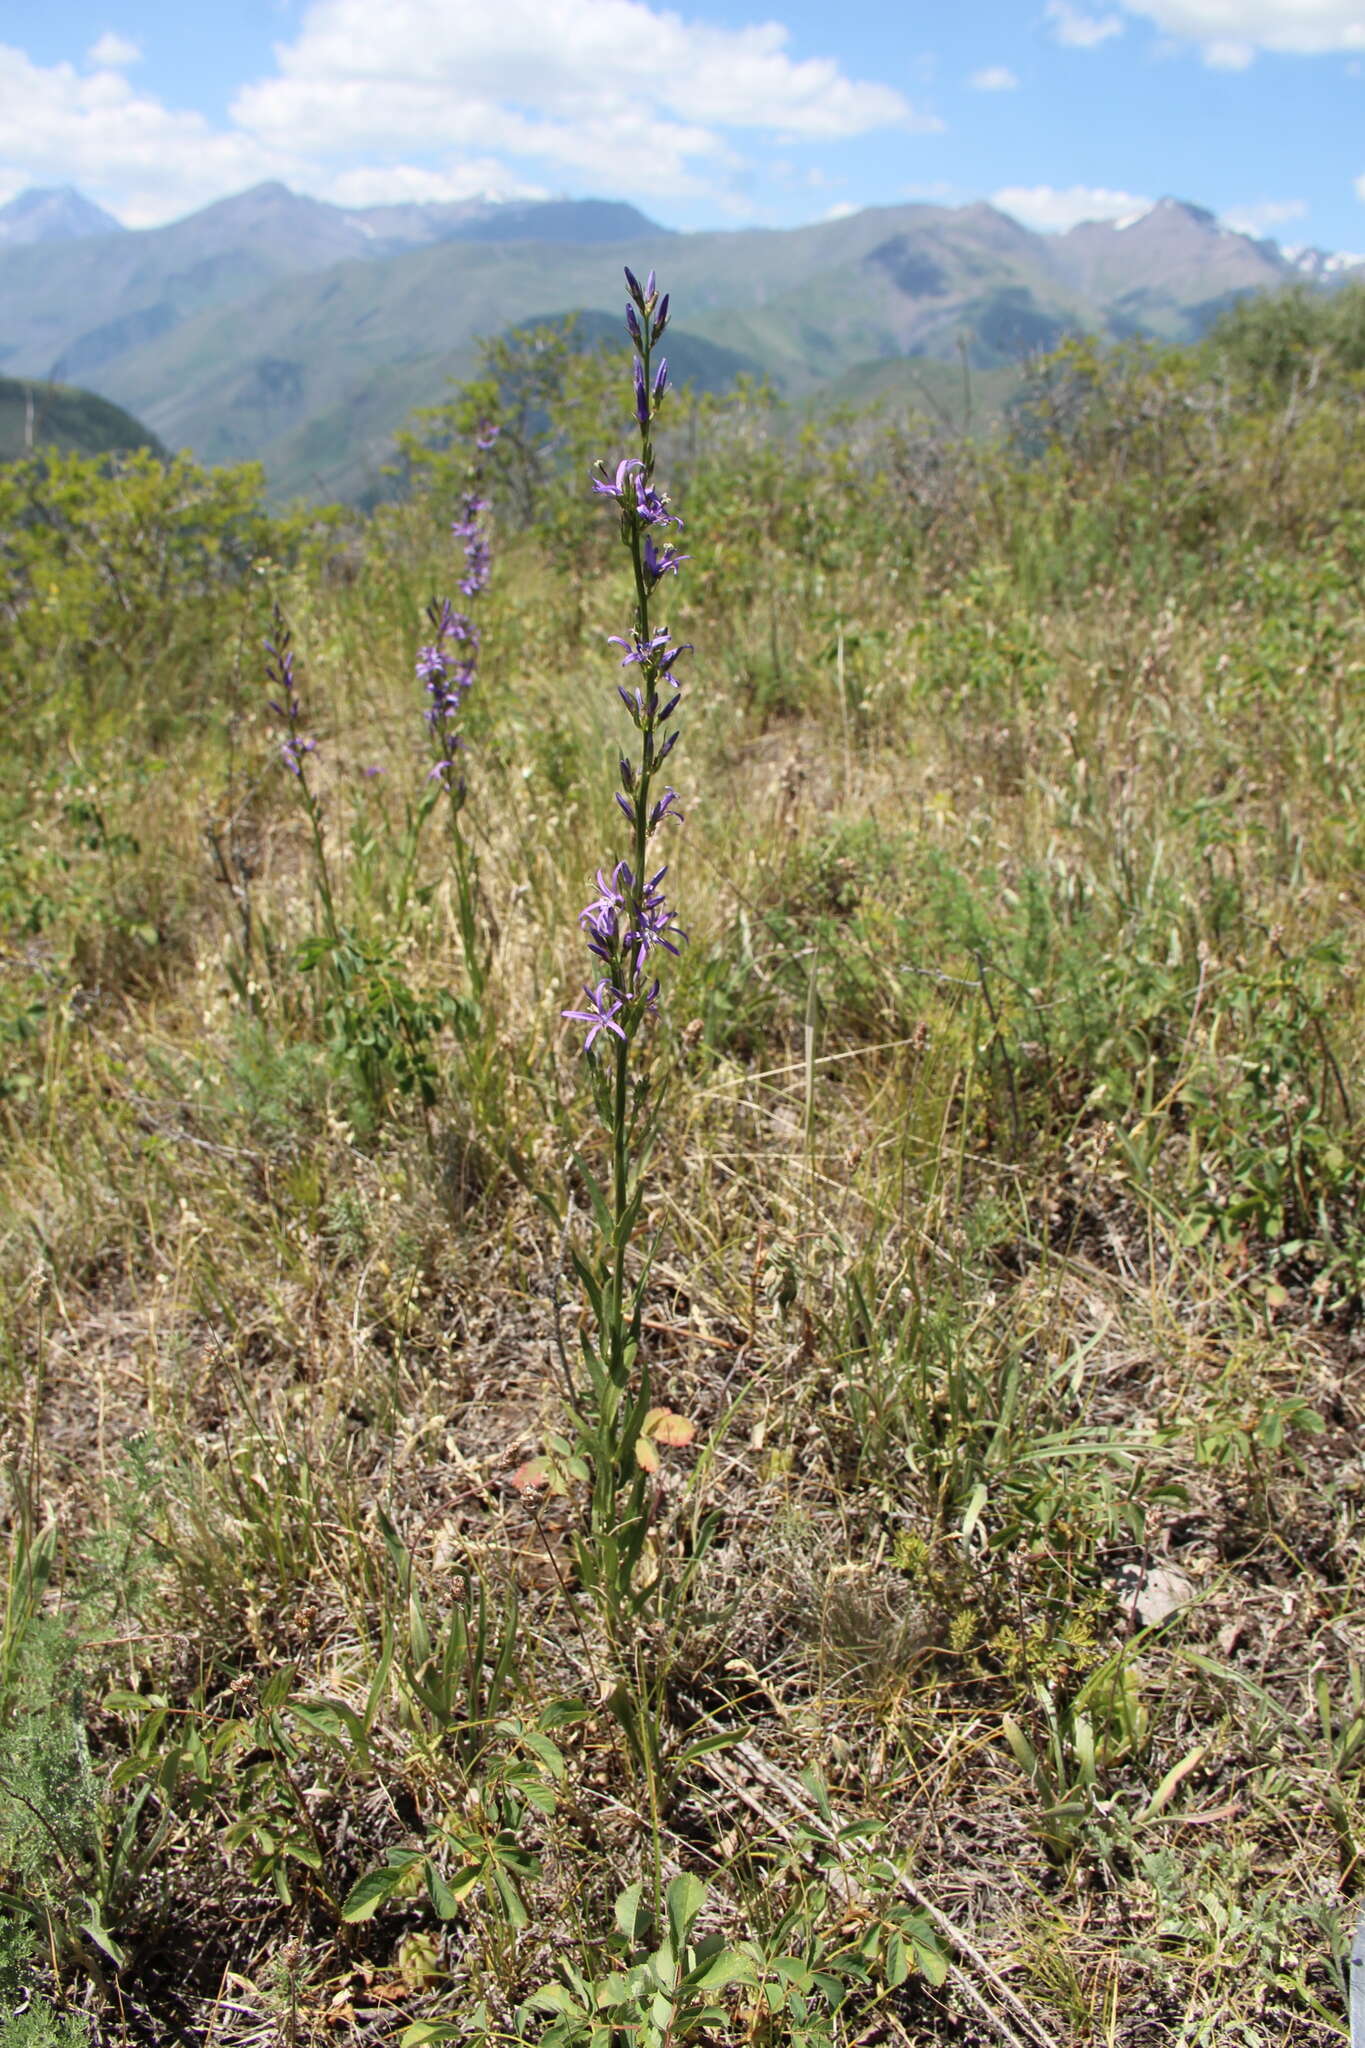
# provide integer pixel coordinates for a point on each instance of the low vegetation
(989, 1665)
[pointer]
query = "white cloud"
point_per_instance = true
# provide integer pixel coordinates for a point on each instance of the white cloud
(1079, 30)
(1050, 208)
(113, 53)
(1230, 33)
(1264, 214)
(635, 98)
(145, 161)
(993, 78)
(1229, 56)
(840, 211)
(394, 184)
(446, 98)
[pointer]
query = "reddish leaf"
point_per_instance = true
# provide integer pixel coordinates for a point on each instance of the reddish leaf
(535, 1472)
(667, 1428)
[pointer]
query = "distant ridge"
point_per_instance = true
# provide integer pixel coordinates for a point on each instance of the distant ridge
(276, 327)
(35, 416)
(54, 213)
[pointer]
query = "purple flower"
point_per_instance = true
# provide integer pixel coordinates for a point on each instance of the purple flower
(477, 554)
(653, 653)
(601, 918)
(625, 922)
(665, 808)
(652, 924)
(652, 507)
(660, 381)
(606, 487)
(660, 320)
(601, 1013)
(486, 435)
(658, 563)
(475, 577)
(641, 396)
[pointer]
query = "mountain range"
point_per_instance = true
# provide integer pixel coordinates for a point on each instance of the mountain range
(281, 328)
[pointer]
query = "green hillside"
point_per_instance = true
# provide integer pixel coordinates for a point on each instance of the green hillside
(34, 415)
(950, 395)
(315, 375)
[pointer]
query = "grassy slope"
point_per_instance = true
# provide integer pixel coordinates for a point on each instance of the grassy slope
(1009, 1262)
(953, 401)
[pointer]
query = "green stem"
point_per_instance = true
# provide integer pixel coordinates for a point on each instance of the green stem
(323, 872)
(466, 870)
(620, 1203)
(416, 826)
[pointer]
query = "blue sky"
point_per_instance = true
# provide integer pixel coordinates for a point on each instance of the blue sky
(712, 113)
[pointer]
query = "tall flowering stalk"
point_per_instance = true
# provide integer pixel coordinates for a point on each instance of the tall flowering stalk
(628, 925)
(296, 744)
(446, 667)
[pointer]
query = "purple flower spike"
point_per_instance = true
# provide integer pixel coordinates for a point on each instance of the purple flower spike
(295, 743)
(447, 664)
(630, 919)
(601, 1013)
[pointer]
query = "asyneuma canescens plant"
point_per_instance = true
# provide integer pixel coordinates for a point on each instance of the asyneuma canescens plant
(627, 925)
(446, 666)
